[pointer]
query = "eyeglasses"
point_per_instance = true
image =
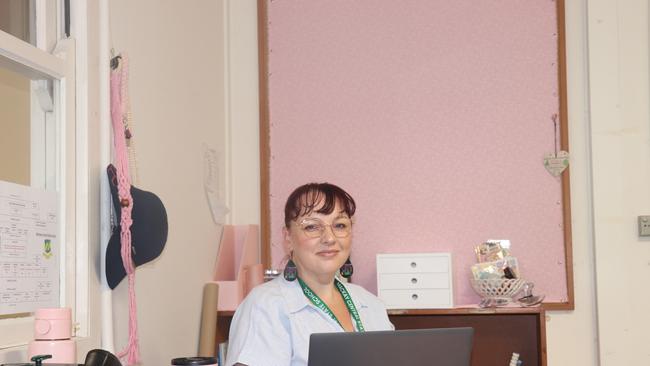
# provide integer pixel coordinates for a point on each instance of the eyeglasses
(314, 228)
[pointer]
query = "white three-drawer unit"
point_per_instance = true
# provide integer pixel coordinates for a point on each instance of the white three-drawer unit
(415, 280)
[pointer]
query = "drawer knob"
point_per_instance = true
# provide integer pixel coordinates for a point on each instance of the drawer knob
(414, 296)
(414, 280)
(413, 264)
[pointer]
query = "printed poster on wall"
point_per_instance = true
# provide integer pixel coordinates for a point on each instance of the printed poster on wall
(29, 249)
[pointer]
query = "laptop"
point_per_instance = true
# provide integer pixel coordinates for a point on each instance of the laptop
(413, 347)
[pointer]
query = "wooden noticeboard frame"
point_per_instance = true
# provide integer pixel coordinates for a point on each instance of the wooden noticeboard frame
(265, 151)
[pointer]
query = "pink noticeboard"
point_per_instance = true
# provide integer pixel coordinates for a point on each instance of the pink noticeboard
(434, 115)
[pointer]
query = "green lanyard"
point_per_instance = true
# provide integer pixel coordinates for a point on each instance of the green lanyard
(347, 299)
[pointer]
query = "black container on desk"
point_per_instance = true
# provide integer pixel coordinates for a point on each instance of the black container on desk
(195, 361)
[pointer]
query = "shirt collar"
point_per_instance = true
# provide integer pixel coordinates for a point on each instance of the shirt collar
(296, 299)
(293, 295)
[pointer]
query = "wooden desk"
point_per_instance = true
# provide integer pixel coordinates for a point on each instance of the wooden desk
(223, 325)
(497, 332)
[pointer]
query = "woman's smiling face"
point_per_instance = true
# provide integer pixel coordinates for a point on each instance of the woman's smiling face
(320, 243)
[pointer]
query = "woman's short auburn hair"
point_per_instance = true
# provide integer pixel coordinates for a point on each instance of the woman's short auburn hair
(304, 200)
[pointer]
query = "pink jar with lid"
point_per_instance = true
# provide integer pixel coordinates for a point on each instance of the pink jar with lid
(52, 336)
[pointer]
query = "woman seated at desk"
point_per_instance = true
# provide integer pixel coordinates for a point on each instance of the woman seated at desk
(273, 324)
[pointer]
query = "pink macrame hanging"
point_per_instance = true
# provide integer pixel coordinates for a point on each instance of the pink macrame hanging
(119, 114)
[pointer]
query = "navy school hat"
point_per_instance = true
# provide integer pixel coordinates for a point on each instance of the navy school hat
(148, 231)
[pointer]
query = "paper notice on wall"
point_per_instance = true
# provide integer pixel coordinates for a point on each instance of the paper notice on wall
(211, 178)
(29, 249)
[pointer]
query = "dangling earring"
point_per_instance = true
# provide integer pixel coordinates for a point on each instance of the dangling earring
(290, 271)
(347, 269)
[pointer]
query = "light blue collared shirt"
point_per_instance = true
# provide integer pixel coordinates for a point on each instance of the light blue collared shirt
(272, 325)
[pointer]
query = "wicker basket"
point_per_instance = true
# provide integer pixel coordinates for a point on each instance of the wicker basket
(498, 289)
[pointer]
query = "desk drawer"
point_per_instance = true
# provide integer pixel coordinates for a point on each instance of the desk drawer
(416, 299)
(405, 281)
(413, 263)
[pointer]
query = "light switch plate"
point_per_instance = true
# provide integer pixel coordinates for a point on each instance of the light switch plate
(644, 225)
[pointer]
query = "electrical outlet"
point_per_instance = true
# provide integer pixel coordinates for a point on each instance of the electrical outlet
(644, 225)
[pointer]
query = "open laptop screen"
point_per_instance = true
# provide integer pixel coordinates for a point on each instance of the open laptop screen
(414, 347)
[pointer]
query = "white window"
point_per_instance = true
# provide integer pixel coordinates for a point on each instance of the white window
(42, 145)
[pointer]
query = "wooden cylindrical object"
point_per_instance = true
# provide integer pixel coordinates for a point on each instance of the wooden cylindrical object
(207, 338)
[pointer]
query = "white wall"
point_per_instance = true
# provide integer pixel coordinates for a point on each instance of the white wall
(176, 52)
(620, 139)
(88, 96)
(571, 336)
(242, 110)
(193, 84)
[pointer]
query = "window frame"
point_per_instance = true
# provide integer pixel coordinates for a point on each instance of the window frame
(70, 164)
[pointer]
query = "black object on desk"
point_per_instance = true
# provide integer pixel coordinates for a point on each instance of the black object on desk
(96, 357)
(100, 357)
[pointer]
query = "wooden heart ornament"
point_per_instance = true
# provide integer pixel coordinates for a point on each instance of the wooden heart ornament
(556, 163)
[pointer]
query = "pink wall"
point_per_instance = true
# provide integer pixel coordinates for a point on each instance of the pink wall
(434, 115)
